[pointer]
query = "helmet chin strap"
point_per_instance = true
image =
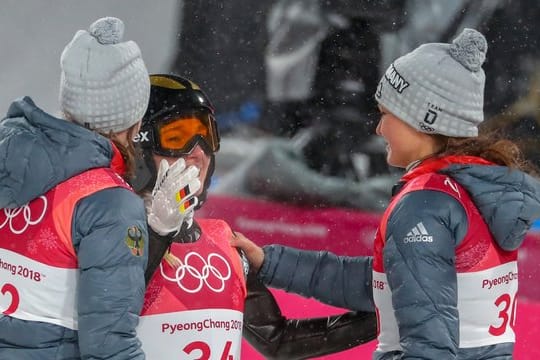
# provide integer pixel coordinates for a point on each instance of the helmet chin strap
(207, 181)
(145, 172)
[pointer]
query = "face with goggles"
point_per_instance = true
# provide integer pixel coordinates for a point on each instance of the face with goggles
(197, 157)
(191, 135)
(177, 135)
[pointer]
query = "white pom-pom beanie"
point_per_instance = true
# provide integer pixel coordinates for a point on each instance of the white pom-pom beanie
(104, 82)
(438, 88)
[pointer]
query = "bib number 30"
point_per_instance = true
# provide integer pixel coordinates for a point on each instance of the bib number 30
(507, 306)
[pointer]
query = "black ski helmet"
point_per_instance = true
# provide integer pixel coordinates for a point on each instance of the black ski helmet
(172, 97)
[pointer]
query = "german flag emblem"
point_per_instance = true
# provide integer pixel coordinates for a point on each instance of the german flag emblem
(180, 196)
(135, 241)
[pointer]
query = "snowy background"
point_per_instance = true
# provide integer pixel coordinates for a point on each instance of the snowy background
(33, 34)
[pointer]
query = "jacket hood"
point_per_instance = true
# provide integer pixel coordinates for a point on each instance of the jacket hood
(508, 199)
(38, 151)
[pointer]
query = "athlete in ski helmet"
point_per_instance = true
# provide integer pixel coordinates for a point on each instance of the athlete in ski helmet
(178, 141)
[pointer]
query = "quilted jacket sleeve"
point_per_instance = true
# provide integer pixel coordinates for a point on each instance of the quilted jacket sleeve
(422, 275)
(335, 280)
(111, 239)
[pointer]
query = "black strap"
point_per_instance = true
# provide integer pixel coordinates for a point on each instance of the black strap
(158, 245)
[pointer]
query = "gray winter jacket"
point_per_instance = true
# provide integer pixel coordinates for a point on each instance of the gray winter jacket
(37, 152)
(426, 310)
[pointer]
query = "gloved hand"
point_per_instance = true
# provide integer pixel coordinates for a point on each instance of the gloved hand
(173, 197)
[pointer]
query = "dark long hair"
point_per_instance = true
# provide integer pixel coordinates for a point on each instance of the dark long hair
(490, 146)
(127, 152)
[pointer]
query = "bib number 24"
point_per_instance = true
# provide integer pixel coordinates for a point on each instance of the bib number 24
(205, 352)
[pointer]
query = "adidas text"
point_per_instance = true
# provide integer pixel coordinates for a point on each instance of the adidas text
(418, 234)
(418, 238)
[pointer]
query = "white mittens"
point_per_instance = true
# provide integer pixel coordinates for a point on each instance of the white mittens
(173, 197)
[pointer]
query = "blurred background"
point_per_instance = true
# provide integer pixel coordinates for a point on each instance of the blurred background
(292, 82)
(33, 34)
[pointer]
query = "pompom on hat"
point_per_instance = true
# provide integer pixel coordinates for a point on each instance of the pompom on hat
(438, 88)
(104, 83)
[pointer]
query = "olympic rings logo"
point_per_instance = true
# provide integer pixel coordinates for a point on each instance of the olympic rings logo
(26, 212)
(209, 270)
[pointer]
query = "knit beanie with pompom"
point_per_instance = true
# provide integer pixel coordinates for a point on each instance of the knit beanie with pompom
(438, 88)
(105, 84)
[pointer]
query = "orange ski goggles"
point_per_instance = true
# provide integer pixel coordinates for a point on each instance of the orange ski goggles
(178, 135)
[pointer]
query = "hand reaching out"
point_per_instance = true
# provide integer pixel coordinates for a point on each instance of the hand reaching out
(253, 252)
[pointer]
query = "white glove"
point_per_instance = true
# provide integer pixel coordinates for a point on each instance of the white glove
(173, 197)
